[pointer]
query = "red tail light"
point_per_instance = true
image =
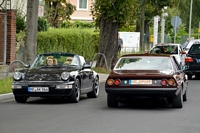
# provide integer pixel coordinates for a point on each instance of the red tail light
(188, 59)
(164, 82)
(117, 81)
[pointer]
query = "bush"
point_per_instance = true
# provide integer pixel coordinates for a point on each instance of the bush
(42, 24)
(20, 22)
(80, 41)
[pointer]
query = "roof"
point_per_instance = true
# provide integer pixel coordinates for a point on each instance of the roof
(150, 55)
(167, 44)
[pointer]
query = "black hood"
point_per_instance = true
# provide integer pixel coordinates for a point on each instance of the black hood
(45, 73)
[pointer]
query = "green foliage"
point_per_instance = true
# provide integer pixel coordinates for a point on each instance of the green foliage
(56, 11)
(120, 11)
(20, 22)
(42, 24)
(80, 41)
(77, 24)
(6, 85)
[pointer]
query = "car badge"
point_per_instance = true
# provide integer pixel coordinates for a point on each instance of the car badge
(40, 78)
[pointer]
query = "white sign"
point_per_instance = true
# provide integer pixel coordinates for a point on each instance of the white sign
(40, 11)
(155, 30)
(131, 41)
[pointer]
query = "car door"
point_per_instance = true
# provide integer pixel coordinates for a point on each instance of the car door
(180, 73)
(182, 56)
(87, 78)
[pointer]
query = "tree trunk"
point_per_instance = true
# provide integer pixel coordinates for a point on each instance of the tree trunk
(108, 42)
(31, 31)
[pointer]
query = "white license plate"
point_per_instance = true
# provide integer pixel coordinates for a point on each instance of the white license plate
(38, 89)
(134, 82)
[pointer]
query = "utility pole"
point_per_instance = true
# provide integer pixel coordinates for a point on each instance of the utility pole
(190, 19)
(142, 46)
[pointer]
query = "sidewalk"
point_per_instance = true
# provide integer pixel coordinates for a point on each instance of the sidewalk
(102, 78)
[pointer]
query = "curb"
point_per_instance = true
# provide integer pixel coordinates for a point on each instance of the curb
(6, 96)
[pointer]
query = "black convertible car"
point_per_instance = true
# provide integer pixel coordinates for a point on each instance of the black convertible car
(63, 75)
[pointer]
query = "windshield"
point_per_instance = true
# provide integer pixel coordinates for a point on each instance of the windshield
(191, 43)
(56, 60)
(143, 63)
(195, 49)
(171, 49)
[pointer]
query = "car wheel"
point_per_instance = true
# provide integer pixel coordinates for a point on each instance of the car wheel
(20, 99)
(178, 100)
(95, 89)
(75, 97)
(185, 96)
(189, 76)
(112, 101)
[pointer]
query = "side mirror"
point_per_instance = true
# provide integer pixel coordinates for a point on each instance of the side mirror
(86, 66)
(27, 65)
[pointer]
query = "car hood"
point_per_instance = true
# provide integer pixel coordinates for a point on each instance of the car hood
(141, 73)
(45, 74)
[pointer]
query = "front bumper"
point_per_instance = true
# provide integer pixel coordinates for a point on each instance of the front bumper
(53, 90)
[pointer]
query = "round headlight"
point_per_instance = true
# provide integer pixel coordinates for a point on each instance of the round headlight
(65, 76)
(17, 75)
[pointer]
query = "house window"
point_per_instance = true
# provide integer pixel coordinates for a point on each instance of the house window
(83, 4)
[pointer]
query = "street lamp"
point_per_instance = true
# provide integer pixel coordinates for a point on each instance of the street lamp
(163, 18)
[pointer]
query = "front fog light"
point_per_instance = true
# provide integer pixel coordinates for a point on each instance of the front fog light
(16, 86)
(65, 76)
(17, 75)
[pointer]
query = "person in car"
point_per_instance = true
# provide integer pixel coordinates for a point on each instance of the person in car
(51, 61)
(68, 60)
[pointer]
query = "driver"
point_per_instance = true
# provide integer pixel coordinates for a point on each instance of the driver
(68, 60)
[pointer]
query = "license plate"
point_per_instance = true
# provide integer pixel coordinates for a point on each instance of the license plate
(38, 89)
(143, 82)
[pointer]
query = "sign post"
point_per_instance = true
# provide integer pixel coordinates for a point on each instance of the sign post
(176, 22)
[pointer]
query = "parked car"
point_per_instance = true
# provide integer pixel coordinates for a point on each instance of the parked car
(191, 42)
(170, 48)
(63, 75)
(154, 76)
(192, 61)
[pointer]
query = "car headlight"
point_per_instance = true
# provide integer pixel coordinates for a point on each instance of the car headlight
(65, 76)
(17, 75)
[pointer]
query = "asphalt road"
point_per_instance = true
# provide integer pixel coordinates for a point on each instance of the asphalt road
(93, 116)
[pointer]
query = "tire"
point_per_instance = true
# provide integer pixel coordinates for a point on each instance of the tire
(178, 100)
(185, 96)
(95, 89)
(75, 97)
(20, 99)
(112, 101)
(189, 76)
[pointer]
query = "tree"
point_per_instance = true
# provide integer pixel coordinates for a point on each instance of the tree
(109, 16)
(31, 31)
(56, 11)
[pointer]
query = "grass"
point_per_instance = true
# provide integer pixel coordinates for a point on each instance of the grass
(6, 86)
(101, 70)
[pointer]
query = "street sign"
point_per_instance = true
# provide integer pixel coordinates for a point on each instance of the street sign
(40, 11)
(176, 21)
